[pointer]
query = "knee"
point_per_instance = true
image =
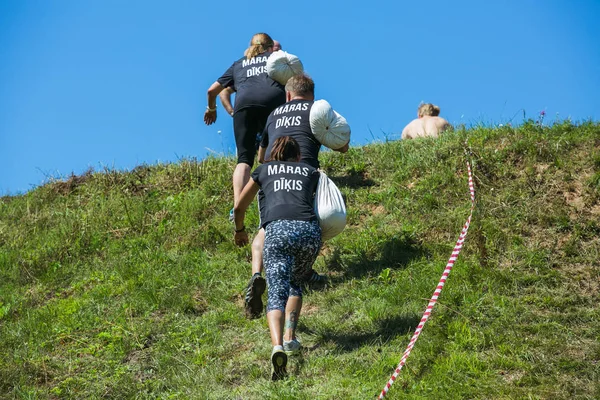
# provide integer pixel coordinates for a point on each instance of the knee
(277, 300)
(295, 291)
(257, 247)
(243, 167)
(259, 241)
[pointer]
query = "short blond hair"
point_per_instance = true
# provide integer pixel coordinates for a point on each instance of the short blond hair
(300, 85)
(428, 109)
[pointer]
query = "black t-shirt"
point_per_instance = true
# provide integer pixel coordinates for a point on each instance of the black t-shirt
(253, 86)
(292, 119)
(288, 191)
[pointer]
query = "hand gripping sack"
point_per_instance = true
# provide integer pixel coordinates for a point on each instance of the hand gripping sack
(329, 127)
(330, 208)
(282, 65)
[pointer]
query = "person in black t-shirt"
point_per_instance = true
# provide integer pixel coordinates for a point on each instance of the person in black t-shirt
(257, 95)
(292, 241)
(292, 119)
(225, 95)
(289, 119)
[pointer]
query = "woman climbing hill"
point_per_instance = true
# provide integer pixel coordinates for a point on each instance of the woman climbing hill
(292, 239)
(257, 95)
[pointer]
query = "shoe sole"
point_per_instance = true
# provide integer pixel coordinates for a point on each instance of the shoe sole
(279, 362)
(255, 305)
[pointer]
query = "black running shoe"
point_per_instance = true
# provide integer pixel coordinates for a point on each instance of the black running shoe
(253, 299)
(278, 364)
(316, 281)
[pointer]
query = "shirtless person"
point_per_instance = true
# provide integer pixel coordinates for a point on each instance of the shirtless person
(429, 124)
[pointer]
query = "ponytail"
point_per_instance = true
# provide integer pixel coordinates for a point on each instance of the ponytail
(285, 148)
(260, 43)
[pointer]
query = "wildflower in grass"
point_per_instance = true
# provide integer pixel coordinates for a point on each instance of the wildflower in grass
(540, 121)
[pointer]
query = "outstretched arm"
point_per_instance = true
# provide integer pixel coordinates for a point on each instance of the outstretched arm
(210, 115)
(225, 97)
(239, 212)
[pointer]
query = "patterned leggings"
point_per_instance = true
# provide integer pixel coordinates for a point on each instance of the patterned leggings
(291, 248)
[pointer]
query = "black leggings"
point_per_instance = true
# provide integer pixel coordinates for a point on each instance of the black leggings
(247, 123)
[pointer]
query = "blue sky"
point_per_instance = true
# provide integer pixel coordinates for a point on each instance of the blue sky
(120, 83)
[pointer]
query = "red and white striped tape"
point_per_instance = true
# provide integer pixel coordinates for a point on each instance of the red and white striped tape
(438, 290)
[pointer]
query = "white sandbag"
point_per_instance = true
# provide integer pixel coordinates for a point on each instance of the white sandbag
(328, 126)
(330, 208)
(282, 65)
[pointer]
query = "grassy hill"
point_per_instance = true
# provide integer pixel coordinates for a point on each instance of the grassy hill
(128, 284)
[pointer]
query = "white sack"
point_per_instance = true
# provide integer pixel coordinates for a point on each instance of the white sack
(282, 65)
(330, 208)
(329, 127)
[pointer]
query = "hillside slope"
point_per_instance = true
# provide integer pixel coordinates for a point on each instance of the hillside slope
(128, 285)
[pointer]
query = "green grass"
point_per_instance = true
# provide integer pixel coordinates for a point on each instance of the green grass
(128, 284)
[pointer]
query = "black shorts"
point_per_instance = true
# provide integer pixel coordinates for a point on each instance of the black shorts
(247, 124)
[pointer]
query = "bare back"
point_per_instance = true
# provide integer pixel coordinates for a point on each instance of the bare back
(426, 126)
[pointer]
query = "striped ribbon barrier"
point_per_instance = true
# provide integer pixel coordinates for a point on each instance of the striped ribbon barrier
(438, 289)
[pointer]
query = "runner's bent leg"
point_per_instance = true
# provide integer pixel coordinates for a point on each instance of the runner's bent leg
(278, 267)
(292, 314)
(241, 176)
(257, 251)
(305, 254)
(244, 128)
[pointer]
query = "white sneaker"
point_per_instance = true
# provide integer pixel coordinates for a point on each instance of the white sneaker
(291, 347)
